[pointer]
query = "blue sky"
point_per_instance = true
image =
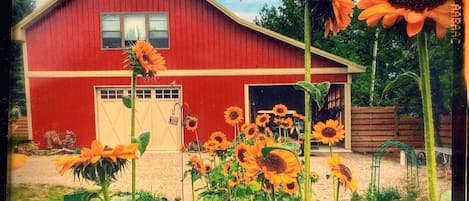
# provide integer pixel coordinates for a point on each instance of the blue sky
(246, 9)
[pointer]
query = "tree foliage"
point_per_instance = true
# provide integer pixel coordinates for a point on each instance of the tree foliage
(396, 54)
(20, 8)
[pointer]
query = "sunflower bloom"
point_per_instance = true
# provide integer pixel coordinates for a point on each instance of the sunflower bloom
(286, 123)
(149, 59)
(280, 166)
(251, 131)
(65, 163)
(197, 164)
(218, 136)
(342, 172)
(413, 12)
(280, 110)
(330, 132)
(241, 153)
(190, 123)
(122, 152)
(17, 161)
(291, 187)
(262, 120)
(233, 115)
(341, 19)
(93, 154)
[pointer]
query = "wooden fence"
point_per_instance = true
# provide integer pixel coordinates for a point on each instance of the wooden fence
(371, 126)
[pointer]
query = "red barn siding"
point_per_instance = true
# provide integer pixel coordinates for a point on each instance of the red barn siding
(201, 37)
(68, 103)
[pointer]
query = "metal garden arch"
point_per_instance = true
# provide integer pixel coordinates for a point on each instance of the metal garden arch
(411, 159)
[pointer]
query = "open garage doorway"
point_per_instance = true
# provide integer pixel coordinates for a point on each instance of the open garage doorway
(265, 97)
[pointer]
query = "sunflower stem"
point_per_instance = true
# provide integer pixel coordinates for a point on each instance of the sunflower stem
(192, 186)
(105, 190)
(132, 129)
(336, 187)
(307, 146)
(425, 90)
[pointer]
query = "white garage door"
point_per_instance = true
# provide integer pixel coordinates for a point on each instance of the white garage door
(154, 107)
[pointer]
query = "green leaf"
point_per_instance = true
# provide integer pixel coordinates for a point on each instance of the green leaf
(255, 186)
(266, 150)
(87, 196)
(401, 79)
(318, 92)
(143, 140)
(127, 101)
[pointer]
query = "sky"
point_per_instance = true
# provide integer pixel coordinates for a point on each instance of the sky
(246, 9)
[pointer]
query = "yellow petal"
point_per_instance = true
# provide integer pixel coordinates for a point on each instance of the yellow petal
(389, 20)
(379, 10)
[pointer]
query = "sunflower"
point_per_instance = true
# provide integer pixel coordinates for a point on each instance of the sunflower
(299, 116)
(233, 115)
(241, 153)
(17, 161)
(330, 132)
(268, 132)
(218, 136)
(286, 123)
(122, 152)
(342, 172)
(151, 61)
(413, 12)
(280, 110)
(262, 120)
(211, 145)
(190, 123)
(262, 137)
(93, 154)
(290, 187)
(197, 164)
(341, 18)
(280, 166)
(251, 131)
(65, 163)
(227, 168)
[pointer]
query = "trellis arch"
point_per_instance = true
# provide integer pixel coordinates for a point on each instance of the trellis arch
(411, 159)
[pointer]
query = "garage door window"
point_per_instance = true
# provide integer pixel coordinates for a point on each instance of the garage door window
(111, 94)
(167, 93)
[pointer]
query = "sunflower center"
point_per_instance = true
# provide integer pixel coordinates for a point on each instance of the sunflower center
(328, 132)
(234, 115)
(280, 110)
(417, 5)
(251, 131)
(147, 59)
(291, 185)
(241, 155)
(263, 119)
(346, 172)
(275, 163)
(192, 123)
(219, 139)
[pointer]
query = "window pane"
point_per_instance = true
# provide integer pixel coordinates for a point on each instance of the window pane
(134, 27)
(158, 25)
(158, 34)
(111, 25)
(159, 17)
(111, 34)
(159, 42)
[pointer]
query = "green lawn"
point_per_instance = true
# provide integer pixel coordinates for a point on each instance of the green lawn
(38, 192)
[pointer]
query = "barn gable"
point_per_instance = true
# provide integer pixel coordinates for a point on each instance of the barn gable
(214, 59)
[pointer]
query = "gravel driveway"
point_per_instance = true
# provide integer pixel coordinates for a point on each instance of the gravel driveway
(162, 173)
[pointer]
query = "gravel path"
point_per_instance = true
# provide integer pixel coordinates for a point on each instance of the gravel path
(162, 173)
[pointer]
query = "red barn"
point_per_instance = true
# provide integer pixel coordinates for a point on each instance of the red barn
(74, 75)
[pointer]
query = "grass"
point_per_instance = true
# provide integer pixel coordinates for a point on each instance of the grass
(39, 192)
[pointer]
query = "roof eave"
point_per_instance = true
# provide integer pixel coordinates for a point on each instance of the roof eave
(351, 66)
(18, 31)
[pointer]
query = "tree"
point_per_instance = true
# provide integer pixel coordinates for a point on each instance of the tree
(20, 8)
(396, 55)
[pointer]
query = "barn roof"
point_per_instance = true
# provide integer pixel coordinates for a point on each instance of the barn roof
(18, 31)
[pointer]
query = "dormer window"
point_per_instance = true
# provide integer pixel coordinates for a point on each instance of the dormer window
(122, 30)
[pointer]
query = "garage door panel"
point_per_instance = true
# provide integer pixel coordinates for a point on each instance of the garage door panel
(154, 106)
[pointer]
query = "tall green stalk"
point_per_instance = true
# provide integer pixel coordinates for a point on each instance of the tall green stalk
(425, 91)
(307, 146)
(132, 130)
